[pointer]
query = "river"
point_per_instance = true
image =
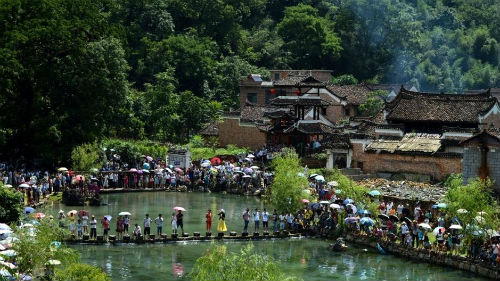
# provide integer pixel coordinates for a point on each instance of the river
(307, 258)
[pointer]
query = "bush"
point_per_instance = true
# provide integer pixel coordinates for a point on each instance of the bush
(87, 156)
(287, 188)
(218, 265)
(11, 204)
(81, 272)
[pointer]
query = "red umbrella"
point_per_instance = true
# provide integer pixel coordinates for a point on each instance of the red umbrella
(215, 161)
(179, 170)
(83, 213)
(40, 215)
(78, 178)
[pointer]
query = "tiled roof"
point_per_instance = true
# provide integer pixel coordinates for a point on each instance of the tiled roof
(310, 127)
(300, 81)
(277, 113)
(411, 106)
(339, 141)
(211, 129)
(299, 100)
(353, 94)
(426, 143)
(251, 113)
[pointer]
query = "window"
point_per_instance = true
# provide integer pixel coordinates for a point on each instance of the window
(269, 96)
(323, 110)
(276, 76)
(347, 112)
(252, 97)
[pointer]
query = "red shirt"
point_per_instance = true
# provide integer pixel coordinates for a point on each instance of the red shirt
(209, 217)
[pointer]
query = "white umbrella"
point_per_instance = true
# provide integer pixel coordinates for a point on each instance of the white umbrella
(8, 264)
(335, 206)
(177, 208)
(54, 262)
(247, 176)
(124, 214)
(204, 164)
(8, 253)
(492, 233)
(324, 202)
(255, 167)
(333, 183)
(7, 185)
(353, 208)
(319, 178)
(5, 231)
(482, 213)
(462, 211)
(27, 225)
(4, 272)
(9, 240)
(425, 225)
(455, 226)
(108, 217)
(24, 185)
(4, 226)
(62, 169)
(436, 230)
(168, 170)
(480, 219)
(251, 156)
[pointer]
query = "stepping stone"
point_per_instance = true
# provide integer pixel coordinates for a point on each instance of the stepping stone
(232, 233)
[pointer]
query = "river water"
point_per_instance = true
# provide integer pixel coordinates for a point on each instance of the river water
(309, 259)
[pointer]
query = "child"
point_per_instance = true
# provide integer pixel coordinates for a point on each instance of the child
(80, 226)
(137, 231)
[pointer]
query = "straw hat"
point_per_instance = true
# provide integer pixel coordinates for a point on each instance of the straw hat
(222, 210)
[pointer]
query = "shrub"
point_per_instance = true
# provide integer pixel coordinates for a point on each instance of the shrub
(11, 204)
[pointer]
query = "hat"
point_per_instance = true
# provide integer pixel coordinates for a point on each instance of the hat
(61, 211)
(222, 210)
(403, 223)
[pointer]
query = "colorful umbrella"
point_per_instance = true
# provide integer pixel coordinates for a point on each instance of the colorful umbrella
(133, 170)
(374, 193)
(79, 178)
(108, 217)
(40, 215)
(367, 221)
(177, 208)
(248, 170)
(149, 158)
(145, 166)
(29, 210)
(436, 230)
(305, 201)
(74, 212)
(348, 201)
(215, 161)
(83, 213)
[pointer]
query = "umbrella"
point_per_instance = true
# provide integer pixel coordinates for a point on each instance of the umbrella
(4, 226)
(374, 193)
(455, 226)
(8, 253)
(177, 169)
(158, 171)
(436, 230)
(7, 185)
(383, 217)
(255, 167)
(149, 158)
(24, 185)
(29, 210)
(27, 225)
(8, 264)
(315, 206)
(133, 170)
(462, 211)
(177, 208)
(251, 156)
(351, 219)
(78, 178)
(482, 213)
(335, 206)
(139, 172)
(319, 178)
(247, 176)
(215, 161)
(5, 231)
(124, 214)
(301, 175)
(407, 220)
(305, 201)
(367, 221)
(9, 240)
(480, 219)
(348, 201)
(4, 272)
(108, 217)
(364, 212)
(425, 225)
(145, 171)
(168, 170)
(145, 166)
(333, 183)
(393, 218)
(74, 212)
(83, 213)
(248, 170)
(492, 233)
(352, 207)
(62, 169)
(53, 262)
(40, 215)
(247, 159)
(313, 176)
(324, 202)
(338, 191)
(439, 206)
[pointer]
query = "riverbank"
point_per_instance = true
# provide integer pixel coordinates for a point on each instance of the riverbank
(429, 256)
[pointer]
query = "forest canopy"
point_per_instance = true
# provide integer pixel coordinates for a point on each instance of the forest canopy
(76, 71)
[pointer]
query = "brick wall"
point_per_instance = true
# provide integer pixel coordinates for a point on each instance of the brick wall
(494, 166)
(471, 162)
(244, 135)
(436, 167)
(257, 89)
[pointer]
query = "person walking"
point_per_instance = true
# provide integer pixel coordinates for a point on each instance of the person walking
(221, 227)
(159, 223)
(174, 223)
(208, 217)
(256, 219)
(265, 220)
(275, 220)
(180, 223)
(147, 225)
(93, 228)
(246, 220)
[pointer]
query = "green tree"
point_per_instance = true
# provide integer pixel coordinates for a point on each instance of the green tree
(11, 204)
(309, 38)
(81, 272)
(287, 188)
(87, 156)
(374, 103)
(219, 265)
(346, 79)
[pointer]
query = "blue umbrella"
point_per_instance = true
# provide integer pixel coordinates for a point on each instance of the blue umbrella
(439, 206)
(29, 210)
(315, 206)
(348, 201)
(374, 193)
(367, 221)
(364, 212)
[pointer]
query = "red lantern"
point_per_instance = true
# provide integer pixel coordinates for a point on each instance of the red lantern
(272, 91)
(297, 92)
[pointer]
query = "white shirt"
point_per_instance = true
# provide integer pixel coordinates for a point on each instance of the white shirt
(265, 216)
(93, 223)
(159, 221)
(256, 216)
(404, 229)
(147, 222)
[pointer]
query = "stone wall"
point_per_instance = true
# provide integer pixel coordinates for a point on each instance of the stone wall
(231, 131)
(432, 257)
(494, 166)
(436, 167)
(471, 162)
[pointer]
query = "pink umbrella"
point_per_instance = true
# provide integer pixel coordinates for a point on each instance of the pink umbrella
(78, 178)
(177, 208)
(133, 170)
(139, 172)
(40, 215)
(305, 201)
(149, 158)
